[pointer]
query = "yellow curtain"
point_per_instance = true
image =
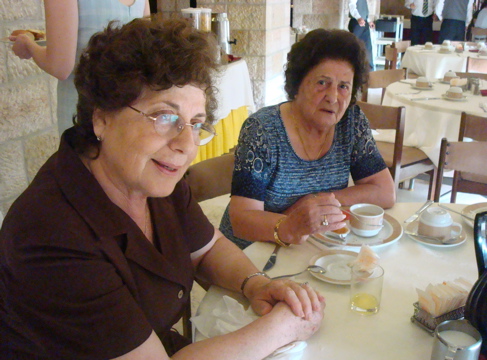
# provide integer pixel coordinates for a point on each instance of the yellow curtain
(228, 130)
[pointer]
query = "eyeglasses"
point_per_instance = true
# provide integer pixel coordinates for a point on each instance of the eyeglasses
(170, 125)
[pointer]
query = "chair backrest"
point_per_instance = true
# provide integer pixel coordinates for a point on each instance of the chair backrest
(472, 127)
(388, 117)
(460, 156)
(478, 32)
(476, 65)
(381, 79)
(212, 177)
(391, 58)
(401, 46)
(465, 75)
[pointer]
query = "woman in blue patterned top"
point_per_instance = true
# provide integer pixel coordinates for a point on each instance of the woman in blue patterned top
(294, 159)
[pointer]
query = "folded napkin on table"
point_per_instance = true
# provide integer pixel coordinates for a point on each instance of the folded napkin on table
(229, 315)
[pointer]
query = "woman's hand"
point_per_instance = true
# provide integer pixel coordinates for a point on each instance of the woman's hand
(21, 46)
(303, 300)
(311, 214)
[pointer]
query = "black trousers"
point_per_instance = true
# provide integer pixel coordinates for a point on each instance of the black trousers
(421, 29)
(363, 33)
(453, 30)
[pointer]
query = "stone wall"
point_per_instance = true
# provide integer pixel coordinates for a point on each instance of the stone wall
(28, 129)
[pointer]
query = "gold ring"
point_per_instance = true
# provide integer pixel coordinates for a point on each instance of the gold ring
(325, 221)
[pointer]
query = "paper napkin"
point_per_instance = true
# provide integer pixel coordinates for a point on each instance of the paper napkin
(229, 315)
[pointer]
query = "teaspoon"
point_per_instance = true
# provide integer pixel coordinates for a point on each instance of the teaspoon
(313, 268)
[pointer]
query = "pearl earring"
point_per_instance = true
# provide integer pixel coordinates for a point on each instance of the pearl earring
(98, 138)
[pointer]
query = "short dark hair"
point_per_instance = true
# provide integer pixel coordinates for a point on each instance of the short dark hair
(319, 45)
(120, 62)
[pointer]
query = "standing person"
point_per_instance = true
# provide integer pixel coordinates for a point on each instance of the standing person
(69, 26)
(455, 15)
(421, 20)
(99, 254)
(294, 159)
(479, 20)
(360, 26)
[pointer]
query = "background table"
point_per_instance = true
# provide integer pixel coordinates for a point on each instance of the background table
(433, 64)
(389, 334)
(235, 101)
(428, 121)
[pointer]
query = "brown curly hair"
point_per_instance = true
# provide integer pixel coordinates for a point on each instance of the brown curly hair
(119, 63)
(319, 45)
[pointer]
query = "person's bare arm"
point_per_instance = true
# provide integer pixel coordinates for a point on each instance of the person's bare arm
(57, 58)
(377, 189)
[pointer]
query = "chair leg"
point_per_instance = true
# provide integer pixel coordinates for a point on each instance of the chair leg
(411, 184)
(187, 327)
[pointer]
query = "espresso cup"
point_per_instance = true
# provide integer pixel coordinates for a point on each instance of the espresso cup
(456, 339)
(366, 219)
(437, 222)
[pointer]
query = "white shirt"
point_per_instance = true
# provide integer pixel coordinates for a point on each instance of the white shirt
(418, 11)
(352, 7)
(481, 21)
(441, 3)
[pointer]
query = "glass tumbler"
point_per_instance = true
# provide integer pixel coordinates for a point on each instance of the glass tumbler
(366, 290)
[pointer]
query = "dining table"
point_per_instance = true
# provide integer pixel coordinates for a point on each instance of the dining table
(433, 63)
(430, 116)
(409, 264)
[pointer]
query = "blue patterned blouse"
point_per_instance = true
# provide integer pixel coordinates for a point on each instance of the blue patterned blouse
(268, 169)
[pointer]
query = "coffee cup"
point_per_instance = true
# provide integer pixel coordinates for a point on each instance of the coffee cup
(366, 219)
(456, 339)
(437, 222)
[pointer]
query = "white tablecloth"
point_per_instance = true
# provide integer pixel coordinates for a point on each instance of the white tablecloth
(428, 121)
(234, 89)
(389, 334)
(433, 64)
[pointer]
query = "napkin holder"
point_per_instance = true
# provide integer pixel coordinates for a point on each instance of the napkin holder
(428, 322)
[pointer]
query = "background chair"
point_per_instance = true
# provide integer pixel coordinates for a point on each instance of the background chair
(464, 75)
(468, 157)
(207, 179)
(404, 162)
(478, 32)
(380, 79)
(391, 58)
(475, 128)
(476, 65)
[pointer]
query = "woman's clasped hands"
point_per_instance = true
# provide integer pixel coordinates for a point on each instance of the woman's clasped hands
(311, 214)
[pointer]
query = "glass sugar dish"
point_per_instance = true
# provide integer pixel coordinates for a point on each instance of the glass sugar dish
(428, 322)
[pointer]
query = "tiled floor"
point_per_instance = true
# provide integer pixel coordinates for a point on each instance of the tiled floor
(215, 207)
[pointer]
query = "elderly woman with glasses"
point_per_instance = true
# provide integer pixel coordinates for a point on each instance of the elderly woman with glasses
(99, 254)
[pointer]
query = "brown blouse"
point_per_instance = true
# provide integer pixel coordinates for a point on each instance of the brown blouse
(78, 279)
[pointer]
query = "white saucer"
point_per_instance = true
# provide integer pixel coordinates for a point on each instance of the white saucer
(464, 98)
(413, 227)
(472, 210)
(443, 81)
(445, 51)
(336, 263)
(390, 233)
(421, 87)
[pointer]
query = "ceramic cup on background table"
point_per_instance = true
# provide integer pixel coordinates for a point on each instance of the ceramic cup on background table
(366, 290)
(437, 222)
(457, 340)
(366, 219)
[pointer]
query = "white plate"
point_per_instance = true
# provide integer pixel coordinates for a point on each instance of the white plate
(464, 98)
(390, 233)
(413, 227)
(336, 263)
(443, 81)
(7, 41)
(445, 51)
(472, 210)
(421, 87)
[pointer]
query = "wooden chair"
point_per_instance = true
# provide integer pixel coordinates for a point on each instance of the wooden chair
(476, 65)
(381, 79)
(207, 179)
(401, 47)
(404, 162)
(465, 75)
(467, 157)
(391, 58)
(475, 128)
(478, 32)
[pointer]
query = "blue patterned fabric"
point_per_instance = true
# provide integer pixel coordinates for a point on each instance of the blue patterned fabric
(268, 169)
